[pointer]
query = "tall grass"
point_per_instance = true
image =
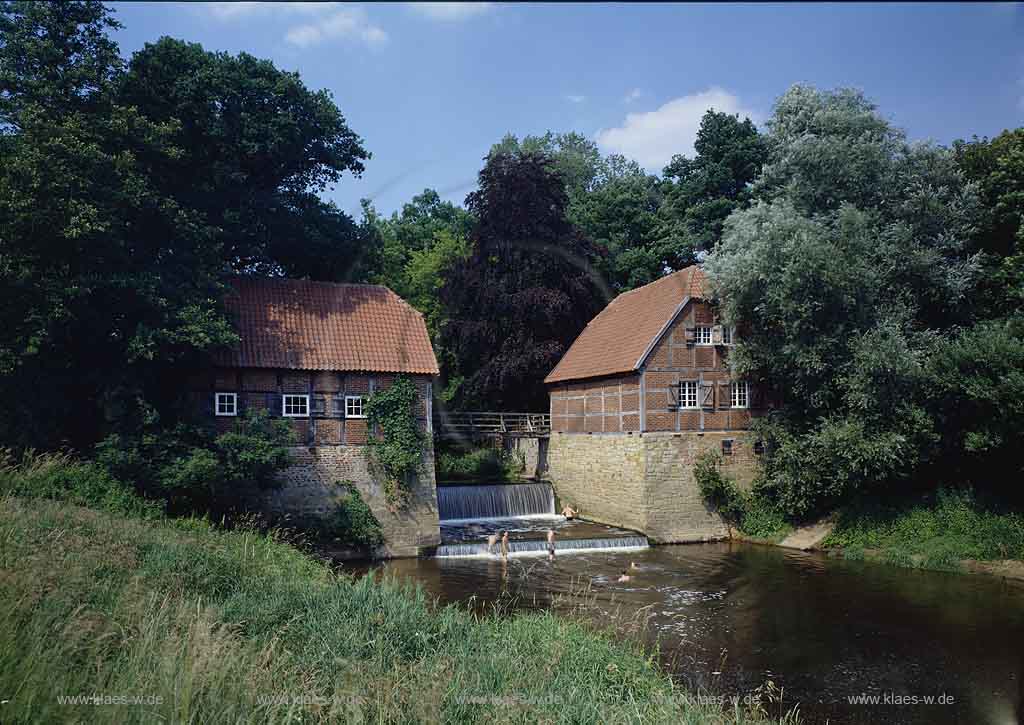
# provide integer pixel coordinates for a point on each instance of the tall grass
(238, 626)
(936, 531)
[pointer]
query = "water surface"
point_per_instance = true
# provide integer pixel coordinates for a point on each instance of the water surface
(728, 617)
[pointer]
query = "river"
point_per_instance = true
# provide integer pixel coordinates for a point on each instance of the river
(728, 617)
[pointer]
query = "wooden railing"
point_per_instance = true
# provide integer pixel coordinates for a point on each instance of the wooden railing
(492, 425)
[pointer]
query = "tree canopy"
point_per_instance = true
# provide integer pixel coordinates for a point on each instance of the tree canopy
(526, 289)
(128, 195)
(852, 268)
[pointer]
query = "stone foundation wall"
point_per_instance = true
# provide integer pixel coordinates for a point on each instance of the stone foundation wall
(645, 481)
(311, 489)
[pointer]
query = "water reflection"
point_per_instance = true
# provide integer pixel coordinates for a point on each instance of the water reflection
(728, 617)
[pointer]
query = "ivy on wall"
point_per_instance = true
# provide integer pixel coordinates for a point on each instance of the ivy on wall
(396, 443)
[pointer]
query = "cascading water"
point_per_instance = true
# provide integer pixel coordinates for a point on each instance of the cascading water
(460, 503)
(470, 514)
(540, 547)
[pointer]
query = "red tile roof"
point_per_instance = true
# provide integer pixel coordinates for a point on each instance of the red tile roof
(617, 340)
(304, 325)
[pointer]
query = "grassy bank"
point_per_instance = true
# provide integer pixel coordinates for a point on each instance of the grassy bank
(938, 531)
(207, 625)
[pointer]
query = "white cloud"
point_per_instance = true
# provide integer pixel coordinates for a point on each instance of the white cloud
(245, 9)
(317, 22)
(450, 11)
(345, 24)
(653, 137)
(574, 98)
(633, 95)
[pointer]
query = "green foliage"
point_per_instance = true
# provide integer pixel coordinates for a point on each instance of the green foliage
(353, 523)
(397, 444)
(839, 281)
(935, 531)
(997, 167)
(60, 477)
(702, 191)
(975, 391)
(195, 468)
(478, 464)
(754, 512)
(127, 195)
(210, 621)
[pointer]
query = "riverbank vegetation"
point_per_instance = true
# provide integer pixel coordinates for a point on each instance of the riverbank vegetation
(208, 625)
(937, 530)
(480, 463)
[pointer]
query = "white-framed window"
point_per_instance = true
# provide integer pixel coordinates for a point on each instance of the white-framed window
(740, 394)
(703, 335)
(225, 403)
(354, 406)
(688, 394)
(295, 406)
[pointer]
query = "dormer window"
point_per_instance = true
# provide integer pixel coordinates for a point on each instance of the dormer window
(703, 335)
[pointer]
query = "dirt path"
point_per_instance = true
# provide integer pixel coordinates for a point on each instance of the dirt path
(808, 537)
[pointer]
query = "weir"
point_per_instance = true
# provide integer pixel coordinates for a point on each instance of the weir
(469, 514)
(539, 547)
(516, 500)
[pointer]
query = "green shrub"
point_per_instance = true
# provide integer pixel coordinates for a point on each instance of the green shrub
(754, 513)
(353, 523)
(193, 467)
(60, 477)
(718, 489)
(479, 464)
(939, 528)
(396, 447)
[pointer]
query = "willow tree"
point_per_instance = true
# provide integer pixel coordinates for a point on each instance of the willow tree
(841, 278)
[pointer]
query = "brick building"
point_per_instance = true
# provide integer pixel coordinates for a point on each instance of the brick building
(311, 353)
(651, 366)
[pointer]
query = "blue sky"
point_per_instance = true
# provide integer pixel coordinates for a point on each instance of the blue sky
(431, 86)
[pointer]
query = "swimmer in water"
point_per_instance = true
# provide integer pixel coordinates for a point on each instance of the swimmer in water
(492, 541)
(624, 577)
(569, 512)
(551, 544)
(504, 544)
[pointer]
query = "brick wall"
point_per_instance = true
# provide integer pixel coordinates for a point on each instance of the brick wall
(645, 482)
(261, 389)
(331, 449)
(606, 405)
(648, 401)
(677, 357)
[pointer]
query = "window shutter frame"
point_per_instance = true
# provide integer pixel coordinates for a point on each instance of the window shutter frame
(690, 334)
(706, 391)
(317, 405)
(725, 395)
